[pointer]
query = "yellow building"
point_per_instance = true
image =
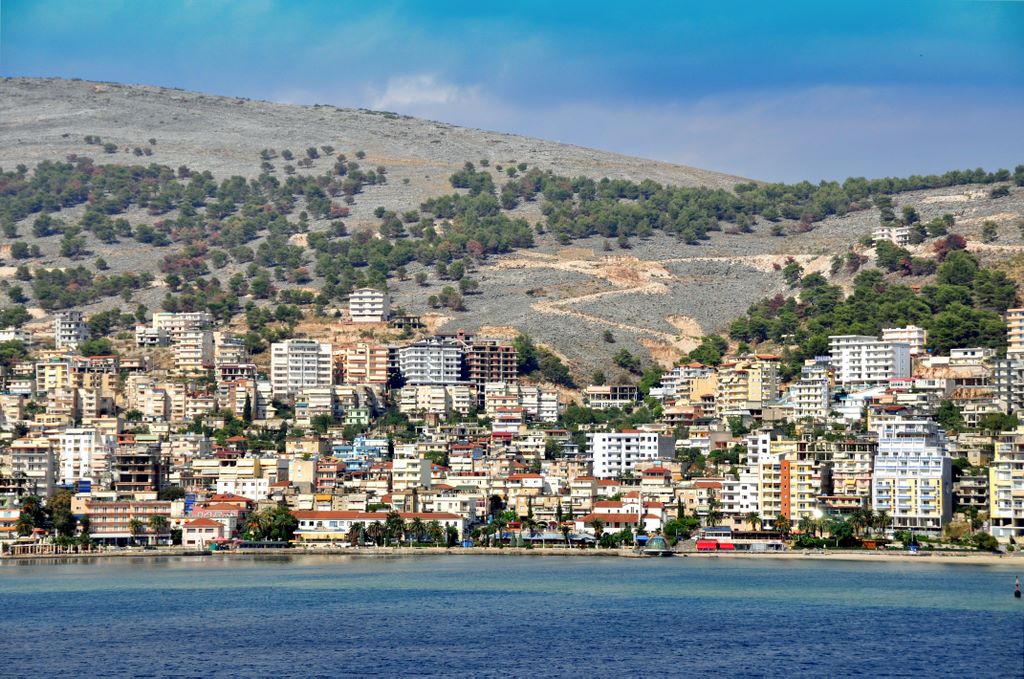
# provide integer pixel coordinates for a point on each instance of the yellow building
(1006, 488)
(1014, 332)
(749, 383)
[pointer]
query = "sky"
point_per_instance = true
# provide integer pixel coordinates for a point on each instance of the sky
(778, 91)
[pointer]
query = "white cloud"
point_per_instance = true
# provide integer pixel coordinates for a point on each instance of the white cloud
(411, 93)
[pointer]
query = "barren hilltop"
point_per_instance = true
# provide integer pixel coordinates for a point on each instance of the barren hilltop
(656, 293)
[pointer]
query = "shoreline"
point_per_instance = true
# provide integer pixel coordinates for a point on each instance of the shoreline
(390, 552)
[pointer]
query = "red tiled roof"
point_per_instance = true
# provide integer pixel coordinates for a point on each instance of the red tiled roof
(611, 518)
(204, 523)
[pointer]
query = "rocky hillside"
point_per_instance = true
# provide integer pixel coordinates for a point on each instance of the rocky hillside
(655, 294)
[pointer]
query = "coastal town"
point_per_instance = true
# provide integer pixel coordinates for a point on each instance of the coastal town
(181, 438)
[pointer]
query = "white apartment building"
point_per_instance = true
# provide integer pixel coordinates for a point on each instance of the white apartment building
(615, 453)
(436, 399)
(409, 469)
(897, 234)
(916, 338)
(539, 403)
(368, 305)
(148, 336)
(861, 360)
(296, 364)
(229, 348)
(34, 457)
(15, 335)
(193, 351)
(912, 479)
(432, 360)
(175, 323)
(83, 453)
(811, 395)
(69, 329)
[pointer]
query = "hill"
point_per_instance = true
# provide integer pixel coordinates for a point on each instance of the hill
(571, 260)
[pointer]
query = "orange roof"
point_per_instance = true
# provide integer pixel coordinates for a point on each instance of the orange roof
(611, 518)
(228, 497)
(707, 484)
(220, 505)
(204, 523)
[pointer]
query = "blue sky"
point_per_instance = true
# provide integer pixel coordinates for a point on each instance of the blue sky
(775, 91)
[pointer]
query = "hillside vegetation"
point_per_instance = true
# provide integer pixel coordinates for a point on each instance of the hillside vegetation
(506, 243)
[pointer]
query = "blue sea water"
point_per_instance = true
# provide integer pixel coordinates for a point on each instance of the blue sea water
(505, 616)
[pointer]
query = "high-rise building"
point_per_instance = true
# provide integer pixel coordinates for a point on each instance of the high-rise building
(432, 360)
(811, 395)
(616, 453)
(1015, 332)
(912, 479)
(296, 364)
(861, 360)
(489, 360)
(911, 335)
(746, 384)
(69, 329)
(363, 363)
(1006, 488)
(368, 305)
(84, 453)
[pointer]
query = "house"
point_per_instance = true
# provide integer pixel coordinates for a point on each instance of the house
(199, 533)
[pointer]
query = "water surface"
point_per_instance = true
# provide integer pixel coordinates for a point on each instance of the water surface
(506, 616)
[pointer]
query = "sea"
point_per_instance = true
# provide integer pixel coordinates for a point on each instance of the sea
(504, 616)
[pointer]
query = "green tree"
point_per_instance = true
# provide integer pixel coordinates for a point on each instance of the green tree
(96, 347)
(958, 268)
(989, 231)
(948, 415)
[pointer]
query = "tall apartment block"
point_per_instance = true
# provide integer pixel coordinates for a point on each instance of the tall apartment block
(69, 329)
(297, 364)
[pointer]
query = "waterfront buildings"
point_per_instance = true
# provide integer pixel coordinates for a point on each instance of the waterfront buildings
(912, 479)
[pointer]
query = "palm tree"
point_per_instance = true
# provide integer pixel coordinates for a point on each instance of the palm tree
(527, 524)
(807, 525)
(134, 527)
(565, 535)
(782, 524)
(754, 519)
(598, 526)
(435, 532)
(882, 521)
(256, 526)
(158, 524)
(862, 519)
(376, 532)
(355, 533)
(415, 529)
(393, 526)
